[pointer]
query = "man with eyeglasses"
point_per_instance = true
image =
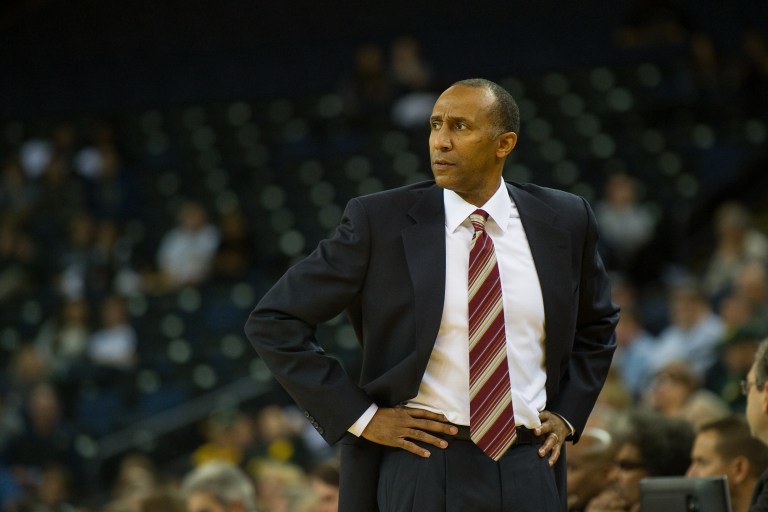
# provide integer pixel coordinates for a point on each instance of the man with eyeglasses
(755, 387)
(652, 445)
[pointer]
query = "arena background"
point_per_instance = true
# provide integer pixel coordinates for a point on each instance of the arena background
(181, 86)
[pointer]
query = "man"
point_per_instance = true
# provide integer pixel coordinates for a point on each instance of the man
(324, 481)
(725, 447)
(652, 445)
(218, 487)
(431, 293)
(755, 387)
(589, 465)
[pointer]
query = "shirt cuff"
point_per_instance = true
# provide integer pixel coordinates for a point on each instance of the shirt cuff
(362, 422)
(567, 424)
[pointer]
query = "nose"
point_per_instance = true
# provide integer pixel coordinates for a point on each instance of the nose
(441, 139)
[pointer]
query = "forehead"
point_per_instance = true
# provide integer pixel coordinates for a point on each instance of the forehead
(463, 101)
(705, 442)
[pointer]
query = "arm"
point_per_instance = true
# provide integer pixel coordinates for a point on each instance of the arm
(594, 341)
(283, 324)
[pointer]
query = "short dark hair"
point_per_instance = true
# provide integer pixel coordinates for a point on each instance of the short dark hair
(734, 440)
(664, 443)
(761, 364)
(505, 112)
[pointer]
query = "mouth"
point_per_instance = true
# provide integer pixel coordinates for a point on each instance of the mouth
(441, 164)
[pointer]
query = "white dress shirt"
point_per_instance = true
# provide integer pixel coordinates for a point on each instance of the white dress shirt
(445, 386)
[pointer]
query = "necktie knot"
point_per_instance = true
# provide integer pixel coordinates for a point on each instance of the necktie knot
(478, 218)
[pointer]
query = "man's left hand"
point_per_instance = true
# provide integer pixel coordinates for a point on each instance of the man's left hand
(556, 431)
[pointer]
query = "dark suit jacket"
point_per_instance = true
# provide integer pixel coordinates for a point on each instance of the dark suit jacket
(385, 266)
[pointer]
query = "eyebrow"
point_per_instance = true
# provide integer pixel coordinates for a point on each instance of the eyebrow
(455, 119)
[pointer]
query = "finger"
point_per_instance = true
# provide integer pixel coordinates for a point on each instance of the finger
(436, 426)
(551, 445)
(424, 414)
(412, 447)
(425, 437)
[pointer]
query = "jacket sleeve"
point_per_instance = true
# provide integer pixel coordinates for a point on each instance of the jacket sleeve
(282, 326)
(594, 341)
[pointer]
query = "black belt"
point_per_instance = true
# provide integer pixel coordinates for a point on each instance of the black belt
(524, 435)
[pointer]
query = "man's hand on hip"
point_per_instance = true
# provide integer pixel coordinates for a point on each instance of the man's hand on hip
(397, 426)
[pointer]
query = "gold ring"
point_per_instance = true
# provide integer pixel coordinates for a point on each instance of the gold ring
(557, 437)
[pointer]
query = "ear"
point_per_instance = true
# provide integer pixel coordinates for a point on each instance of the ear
(507, 142)
(738, 469)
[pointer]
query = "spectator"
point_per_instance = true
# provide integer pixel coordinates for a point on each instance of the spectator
(725, 447)
(752, 284)
(324, 480)
(755, 387)
(737, 353)
(229, 435)
(20, 262)
(634, 350)
(236, 254)
(218, 487)
(46, 439)
(626, 224)
(62, 340)
(18, 195)
(738, 243)
(652, 445)
(693, 333)
(114, 344)
(676, 392)
(186, 252)
(589, 465)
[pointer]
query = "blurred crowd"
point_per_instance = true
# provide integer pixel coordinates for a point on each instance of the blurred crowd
(81, 238)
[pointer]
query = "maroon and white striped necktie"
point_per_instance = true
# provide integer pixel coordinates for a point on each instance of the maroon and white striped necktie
(492, 421)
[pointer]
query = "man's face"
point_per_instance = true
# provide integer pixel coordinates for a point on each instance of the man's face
(464, 150)
(756, 416)
(327, 496)
(705, 461)
(629, 471)
(200, 501)
(587, 474)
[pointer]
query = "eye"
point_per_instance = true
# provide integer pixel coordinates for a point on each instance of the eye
(460, 126)
(435, 125)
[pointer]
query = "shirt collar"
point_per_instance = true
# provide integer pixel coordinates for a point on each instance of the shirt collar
(499, 207)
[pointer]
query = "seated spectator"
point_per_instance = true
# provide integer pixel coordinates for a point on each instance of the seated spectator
(652, 445)
(725, 447)
(114, 344)
(45, 440)
(62, 340)
(676, 391)
(324, 480)
(634, 349)
(737, 353)
(229, 434)
(738, 243)
(236, 253)
(186, 252)
(589, 465)
(218, 487)
(693, 334)
(626, 224)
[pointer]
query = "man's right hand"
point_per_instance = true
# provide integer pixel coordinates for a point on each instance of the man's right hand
(396, 426)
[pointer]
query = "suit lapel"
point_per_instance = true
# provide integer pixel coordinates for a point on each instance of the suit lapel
(424, 244)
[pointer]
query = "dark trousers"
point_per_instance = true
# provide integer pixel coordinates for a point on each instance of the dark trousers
(461, 478)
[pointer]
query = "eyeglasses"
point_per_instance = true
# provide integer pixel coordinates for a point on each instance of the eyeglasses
(745, 385)
(629, 465)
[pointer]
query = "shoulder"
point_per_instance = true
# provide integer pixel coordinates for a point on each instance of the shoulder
(400, 198)
(551, 196)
